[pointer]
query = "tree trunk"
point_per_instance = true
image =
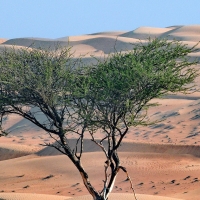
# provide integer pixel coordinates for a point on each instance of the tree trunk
(77, 162)
(99, 198)
(93, 192)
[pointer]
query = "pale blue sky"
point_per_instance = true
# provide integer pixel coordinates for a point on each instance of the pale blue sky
(59, 18)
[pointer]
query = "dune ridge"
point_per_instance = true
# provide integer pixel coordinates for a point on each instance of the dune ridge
(130, 146)
(9, 151)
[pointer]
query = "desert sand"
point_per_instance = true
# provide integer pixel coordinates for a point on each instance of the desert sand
(163, 160)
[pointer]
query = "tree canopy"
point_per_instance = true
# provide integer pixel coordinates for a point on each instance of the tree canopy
(111, 95)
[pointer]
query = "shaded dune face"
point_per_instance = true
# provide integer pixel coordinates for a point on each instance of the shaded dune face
(163, 160)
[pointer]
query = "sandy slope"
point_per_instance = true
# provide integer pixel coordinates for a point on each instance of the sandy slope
(146, 32)
(31, 196)
(186, 33)
(25, 196)
(9, 151)
(152, 173)
(163, 160)
(129, 197)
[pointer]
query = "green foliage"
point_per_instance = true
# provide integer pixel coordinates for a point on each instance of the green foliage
(30, 72)
(120, 87)
(32, 78)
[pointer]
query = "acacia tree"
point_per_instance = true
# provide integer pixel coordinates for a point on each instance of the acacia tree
(112, 95)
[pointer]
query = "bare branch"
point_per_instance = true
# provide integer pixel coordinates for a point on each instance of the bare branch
(128, 178)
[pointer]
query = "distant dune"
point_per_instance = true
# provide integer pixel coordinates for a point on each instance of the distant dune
(2, 40)
(163, 160)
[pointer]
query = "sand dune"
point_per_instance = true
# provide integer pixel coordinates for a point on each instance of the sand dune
(9, 151)
(129, 146)
(129, 197)
(20, 196)
(4, 47)
(145, 32)
(28, 196)
(2, 40)
(184, 37)
(107, 44)
(184, 33)
(35, 43)
(105, 41)
(113, 33)
(163, 159)
(151, 173)
(188, 30)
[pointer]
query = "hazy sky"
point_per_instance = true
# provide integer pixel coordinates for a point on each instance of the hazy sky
(59, 18)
